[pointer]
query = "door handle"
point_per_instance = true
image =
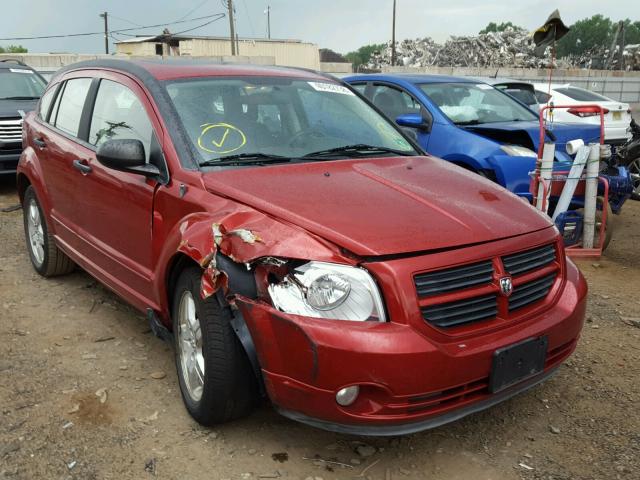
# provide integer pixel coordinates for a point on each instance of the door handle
(40, 143)
(82, 166)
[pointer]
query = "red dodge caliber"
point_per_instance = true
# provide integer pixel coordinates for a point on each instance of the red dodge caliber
(294, 243)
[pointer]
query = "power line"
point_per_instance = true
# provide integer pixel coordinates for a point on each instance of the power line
(193, 10)
(122, 30)
(111, 15)
(199, 26)
(244, 3)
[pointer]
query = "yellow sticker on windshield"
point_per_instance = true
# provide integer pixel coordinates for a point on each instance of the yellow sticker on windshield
(221, 138)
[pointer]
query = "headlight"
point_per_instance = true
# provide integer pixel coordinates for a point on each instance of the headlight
(329, 290)
(517, 151)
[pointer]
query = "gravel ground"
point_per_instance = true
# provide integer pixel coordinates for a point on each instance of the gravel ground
(86, 392)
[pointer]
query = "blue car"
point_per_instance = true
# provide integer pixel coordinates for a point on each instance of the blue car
(470, 123)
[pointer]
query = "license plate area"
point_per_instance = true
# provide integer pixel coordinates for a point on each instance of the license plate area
(617, 115)
(517, 362)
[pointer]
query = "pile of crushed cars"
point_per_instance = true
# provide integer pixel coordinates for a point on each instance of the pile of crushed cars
(512, 47)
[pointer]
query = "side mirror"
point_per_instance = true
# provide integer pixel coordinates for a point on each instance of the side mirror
(125, 155)
(414, 120)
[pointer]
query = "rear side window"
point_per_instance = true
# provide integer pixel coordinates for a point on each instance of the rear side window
(45, 103)
(119, 114)
(71, 104)
(542, 97)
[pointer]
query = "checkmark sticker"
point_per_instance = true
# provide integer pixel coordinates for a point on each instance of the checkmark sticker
(222, 140)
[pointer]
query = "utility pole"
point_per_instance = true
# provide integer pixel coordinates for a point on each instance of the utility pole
(269, 21)
(393, 36)
(232, 29)
(106, 32)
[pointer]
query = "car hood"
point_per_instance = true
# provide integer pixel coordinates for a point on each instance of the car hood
(10, 108)
(382, 206)
(527, 134)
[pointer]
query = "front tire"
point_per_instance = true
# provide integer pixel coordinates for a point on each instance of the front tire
(216, 380)
(47, 259)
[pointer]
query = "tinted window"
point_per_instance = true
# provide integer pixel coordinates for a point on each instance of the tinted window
(582, 95)
(71, 105)
(394, 102)
(20, 83)
(119, 114)
(360, 87)
(277, 116)
(542, 97)
(470, 104)
(45, 103)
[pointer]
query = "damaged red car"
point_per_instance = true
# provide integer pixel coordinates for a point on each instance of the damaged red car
(295, 244)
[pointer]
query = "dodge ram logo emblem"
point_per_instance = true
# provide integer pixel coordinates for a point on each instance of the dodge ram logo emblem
(506, 286)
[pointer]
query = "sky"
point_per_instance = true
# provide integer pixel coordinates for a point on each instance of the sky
(342, 25)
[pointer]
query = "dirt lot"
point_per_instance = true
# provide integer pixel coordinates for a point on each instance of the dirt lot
(63, 340)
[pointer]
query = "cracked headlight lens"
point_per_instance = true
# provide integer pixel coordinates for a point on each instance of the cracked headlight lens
(518, 151)
(329, 290)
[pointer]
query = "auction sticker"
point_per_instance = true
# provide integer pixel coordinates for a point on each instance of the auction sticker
(330, 87)
(19, 70)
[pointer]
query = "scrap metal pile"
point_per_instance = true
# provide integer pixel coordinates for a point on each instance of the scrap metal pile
(512, 47)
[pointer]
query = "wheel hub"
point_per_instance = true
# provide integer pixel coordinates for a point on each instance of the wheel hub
(35, 232)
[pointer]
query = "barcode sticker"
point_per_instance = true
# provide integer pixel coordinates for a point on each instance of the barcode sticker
(330, 87)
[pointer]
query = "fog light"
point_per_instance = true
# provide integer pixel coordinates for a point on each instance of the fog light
(347, 396)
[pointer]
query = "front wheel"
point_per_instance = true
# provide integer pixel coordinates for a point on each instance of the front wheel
(216, 379)
(634, 171)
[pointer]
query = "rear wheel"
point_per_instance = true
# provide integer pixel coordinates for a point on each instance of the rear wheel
(47, 259)
(634, 171)
(216, 379)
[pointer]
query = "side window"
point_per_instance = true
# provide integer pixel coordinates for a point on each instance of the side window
(71, 104)
(119, 114)
(394, 102)
(542, 97)
(45, 103)
(360, 87)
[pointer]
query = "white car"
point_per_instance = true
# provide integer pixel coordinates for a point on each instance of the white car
(617, 114)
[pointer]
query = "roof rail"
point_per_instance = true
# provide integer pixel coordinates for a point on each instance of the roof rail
(19, 62)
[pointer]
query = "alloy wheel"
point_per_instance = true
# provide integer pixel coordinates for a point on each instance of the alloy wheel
(190, 347)
(35, 232)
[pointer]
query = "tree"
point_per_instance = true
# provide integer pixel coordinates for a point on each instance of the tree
(363, 54)
(586, 34)
(13, 49)
(494, 27)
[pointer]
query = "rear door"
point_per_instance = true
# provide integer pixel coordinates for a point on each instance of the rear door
(116, 207)
(55, 139)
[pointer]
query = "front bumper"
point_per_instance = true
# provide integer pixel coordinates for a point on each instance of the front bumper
(9, 161)
(409, 379)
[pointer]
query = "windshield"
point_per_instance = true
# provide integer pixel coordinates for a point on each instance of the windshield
(582, 95)
(17, 83)
(279, 117)
(475, 103)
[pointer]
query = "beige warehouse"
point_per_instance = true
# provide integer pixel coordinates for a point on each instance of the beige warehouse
(294, 53)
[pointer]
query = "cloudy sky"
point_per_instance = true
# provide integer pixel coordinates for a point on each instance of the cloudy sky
(341, 25)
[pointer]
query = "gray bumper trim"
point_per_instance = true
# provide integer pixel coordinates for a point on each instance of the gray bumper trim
(433, 422)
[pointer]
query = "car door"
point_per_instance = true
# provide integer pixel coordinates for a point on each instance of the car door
(394, 101)
(117, 207)
(55, 139)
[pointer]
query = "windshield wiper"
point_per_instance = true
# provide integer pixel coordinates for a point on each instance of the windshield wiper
(358, 148)
(19, 98)
(468, 122)
(245, 159)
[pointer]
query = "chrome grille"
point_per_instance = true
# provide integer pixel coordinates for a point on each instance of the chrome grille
(11, 130)
(530, 260)
(452, 279)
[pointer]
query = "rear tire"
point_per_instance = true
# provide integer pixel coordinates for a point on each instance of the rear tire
(634, 171)
(216, 380)
(47, 259)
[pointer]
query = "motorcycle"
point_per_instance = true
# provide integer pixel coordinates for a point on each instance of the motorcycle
(628, 156)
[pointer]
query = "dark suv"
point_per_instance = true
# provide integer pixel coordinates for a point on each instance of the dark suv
(20, 88)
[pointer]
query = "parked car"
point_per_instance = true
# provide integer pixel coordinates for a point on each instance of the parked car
(469, 123)
(20, 89)
(617, 114)
(522, 91)
(289, 238)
